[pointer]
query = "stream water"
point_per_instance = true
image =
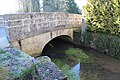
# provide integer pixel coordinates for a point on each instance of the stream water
(102, 67)
(56, 52)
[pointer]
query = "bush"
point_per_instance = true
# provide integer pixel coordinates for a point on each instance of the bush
(103, 16)
(104, 43)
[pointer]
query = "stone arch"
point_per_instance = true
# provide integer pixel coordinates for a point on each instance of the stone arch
(63, 34)
(54, 41)
(34, 45)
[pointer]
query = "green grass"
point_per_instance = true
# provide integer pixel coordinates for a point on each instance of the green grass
(65, 68)
(78, 55)
(74, 54)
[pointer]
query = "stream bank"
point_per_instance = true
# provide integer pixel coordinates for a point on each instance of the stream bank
(104, 68)
(96, 66)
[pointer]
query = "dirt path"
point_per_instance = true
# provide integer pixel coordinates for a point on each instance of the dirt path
(104, 68)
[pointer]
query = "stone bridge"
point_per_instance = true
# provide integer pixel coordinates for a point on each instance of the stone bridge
(30, 32)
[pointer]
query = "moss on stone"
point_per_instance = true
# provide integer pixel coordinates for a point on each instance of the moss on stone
(4, 73)
(2, 51)
(29, 74)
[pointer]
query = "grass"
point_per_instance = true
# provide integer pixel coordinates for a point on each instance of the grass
(72, 54)
(78, 55)
(65, 68)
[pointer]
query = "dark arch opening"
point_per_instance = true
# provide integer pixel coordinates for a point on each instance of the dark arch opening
(54, 47)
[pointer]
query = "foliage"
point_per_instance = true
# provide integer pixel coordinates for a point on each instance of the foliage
(105, 43)
(53, 5)
(29, 6)
(72, 7)
(108, 43)
(35, 5)
(79, 55)
(103, 16)
(60, 6)
(72, 54)
(87, 38)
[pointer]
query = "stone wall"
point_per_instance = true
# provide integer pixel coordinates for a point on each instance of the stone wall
(21, 26)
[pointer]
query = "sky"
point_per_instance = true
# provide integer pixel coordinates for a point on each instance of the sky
(81, 3)
(8, 6)
(11, 6)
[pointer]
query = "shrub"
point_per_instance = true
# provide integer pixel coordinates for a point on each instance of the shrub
(103, 16)
(104, 43)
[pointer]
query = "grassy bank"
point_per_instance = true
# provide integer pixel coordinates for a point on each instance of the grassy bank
(73, 55)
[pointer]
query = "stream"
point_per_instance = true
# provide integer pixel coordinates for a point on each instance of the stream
(56, 52)
(92, 66)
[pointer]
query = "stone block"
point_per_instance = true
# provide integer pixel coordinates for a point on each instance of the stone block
(17, 16)
(16, 44)
(15, 23)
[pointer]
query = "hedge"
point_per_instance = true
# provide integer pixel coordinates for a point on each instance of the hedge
(104, 43)
(103, 16)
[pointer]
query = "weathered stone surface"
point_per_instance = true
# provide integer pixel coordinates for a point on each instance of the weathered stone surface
(16, 44)
(48, 71)
(15, 61)
(21, 26)
(34, 45)
(34, 30)
(17, 65)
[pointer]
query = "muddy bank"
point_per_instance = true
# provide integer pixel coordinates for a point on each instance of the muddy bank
(104, 68)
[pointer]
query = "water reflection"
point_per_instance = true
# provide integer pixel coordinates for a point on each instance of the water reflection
(76, 71)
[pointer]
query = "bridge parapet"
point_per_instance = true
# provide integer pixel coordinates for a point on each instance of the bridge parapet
(21, 26)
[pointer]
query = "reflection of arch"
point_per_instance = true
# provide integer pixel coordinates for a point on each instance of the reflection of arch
(61, 37)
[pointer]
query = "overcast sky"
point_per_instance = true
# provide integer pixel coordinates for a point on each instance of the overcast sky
(81, 3)
(10, 6)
